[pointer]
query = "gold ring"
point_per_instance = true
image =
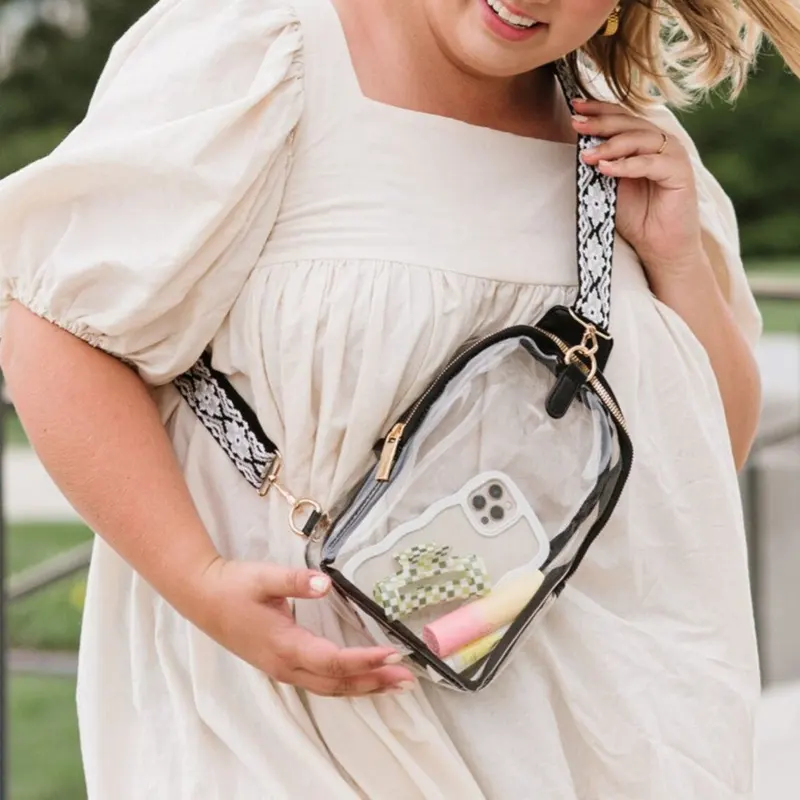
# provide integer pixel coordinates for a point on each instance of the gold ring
(663, 144)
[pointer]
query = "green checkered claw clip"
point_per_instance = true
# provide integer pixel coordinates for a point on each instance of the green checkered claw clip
(428, 575)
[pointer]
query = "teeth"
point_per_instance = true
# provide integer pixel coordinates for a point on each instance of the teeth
(507, 16)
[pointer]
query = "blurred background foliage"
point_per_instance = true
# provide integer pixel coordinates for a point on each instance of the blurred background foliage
(49, 72)
(50, 69)
(752, 148)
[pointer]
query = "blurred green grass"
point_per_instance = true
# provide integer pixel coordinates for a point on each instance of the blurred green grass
(14, 435)
(51, 618)
(43, 750)
(780, 316)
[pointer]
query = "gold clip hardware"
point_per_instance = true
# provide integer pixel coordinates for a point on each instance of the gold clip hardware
(297, 507)
(574, 354)
(589, 326)
(588, 347)
(589, 341)
(585, 350)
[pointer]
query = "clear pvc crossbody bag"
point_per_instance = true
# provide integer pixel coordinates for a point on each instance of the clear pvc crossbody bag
(485, 495)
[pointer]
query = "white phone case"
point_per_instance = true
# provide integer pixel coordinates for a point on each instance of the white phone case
(469, 523)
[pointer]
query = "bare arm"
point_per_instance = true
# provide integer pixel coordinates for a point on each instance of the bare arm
(96, 428)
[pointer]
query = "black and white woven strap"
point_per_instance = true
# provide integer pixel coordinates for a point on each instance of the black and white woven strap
(596, 224)
(228, 418)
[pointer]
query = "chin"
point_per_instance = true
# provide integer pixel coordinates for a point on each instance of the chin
(487, 64)
(479, 51)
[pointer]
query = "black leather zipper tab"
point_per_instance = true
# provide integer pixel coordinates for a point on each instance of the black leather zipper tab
(568, 383)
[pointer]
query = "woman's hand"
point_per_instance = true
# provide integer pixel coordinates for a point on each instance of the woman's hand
(658, 206)
(245, 608)
(658, 214)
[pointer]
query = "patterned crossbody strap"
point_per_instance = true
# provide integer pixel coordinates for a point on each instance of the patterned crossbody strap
(233, 424)
(228, 418)
(596, 224)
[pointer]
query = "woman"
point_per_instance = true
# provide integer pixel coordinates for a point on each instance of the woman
(335, 196)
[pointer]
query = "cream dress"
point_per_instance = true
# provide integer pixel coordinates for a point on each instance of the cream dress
(231, 184)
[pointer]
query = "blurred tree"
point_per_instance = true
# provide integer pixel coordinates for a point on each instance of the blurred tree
(52, 77)
(751, 146)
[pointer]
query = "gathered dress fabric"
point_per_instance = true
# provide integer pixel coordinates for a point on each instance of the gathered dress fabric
(232, 187)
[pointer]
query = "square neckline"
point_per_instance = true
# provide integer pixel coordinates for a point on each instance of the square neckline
(415, 115)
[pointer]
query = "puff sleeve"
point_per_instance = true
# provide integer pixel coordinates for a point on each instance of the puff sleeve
(138, 232)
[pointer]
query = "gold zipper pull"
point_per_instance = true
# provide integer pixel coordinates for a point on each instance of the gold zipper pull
(389, 452)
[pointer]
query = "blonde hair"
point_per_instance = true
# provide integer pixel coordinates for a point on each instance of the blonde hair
(676, 51)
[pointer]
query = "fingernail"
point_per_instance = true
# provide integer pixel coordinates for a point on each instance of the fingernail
(401, 688)
(394, 658)
(319, 584)
(579, 118)
(605, 164)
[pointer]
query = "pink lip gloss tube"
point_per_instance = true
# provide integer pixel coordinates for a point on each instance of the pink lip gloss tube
(478, 619)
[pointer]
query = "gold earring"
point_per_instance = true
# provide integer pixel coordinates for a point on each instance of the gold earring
(612, 24)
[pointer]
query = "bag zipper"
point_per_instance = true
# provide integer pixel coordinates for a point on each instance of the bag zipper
(605, 397)
(389, 451)
(393, 440)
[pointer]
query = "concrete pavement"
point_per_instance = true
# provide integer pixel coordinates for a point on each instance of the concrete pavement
(778, 744)
(29, 494)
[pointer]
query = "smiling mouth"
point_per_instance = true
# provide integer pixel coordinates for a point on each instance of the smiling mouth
(510, 18)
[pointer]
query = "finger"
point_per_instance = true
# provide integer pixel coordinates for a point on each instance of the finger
(593, 108)
(322, 657)
(277, 581)
(665, 171)
(610, 125)
(378, 682)
(625, 145)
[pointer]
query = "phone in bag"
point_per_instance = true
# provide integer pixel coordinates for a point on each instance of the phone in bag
(461, 548)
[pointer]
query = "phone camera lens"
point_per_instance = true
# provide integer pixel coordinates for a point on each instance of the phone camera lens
(495, 491)
(484, 520)
(497, 513)
(479, 502)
